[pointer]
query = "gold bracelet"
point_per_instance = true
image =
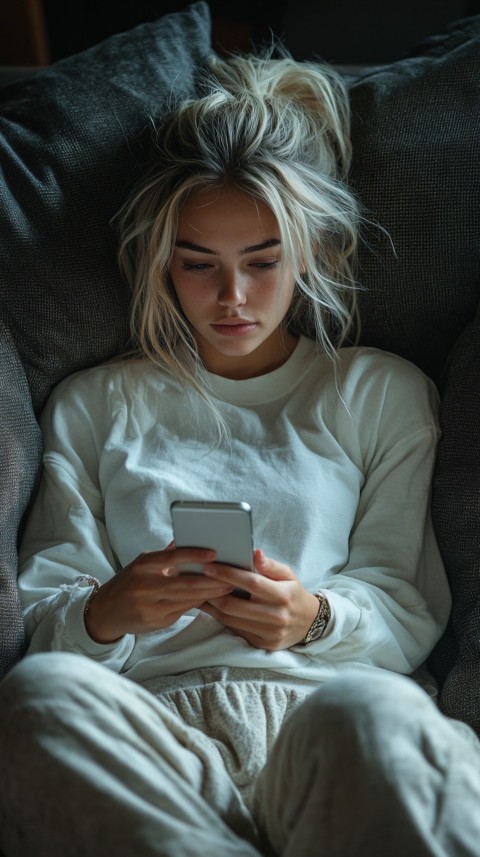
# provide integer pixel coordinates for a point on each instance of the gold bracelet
(95, 587)
(319, 624)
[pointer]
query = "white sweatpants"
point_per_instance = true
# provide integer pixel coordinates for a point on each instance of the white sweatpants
(92, 764)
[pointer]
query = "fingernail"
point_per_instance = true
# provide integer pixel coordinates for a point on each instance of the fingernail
(209, 569)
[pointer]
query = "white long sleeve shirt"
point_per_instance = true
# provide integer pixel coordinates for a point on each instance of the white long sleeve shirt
(337, 473)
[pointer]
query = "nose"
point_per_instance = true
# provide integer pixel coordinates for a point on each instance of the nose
(232, 292)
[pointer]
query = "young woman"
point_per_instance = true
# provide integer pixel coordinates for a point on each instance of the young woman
(157, 713)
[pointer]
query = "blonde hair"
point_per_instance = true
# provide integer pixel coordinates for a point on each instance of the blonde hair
(277, 129)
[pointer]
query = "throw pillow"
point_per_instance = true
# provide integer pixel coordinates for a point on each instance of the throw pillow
(416, 139)
(69, 144)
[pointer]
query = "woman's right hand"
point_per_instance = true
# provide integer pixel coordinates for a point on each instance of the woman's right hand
(150, 593)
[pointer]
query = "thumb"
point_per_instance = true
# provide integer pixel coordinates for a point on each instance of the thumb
(271, 568)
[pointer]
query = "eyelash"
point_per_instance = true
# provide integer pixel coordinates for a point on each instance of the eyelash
(199, 267)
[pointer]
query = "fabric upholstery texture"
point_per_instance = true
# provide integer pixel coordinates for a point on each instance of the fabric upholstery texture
(20, 445)
(69, 149)
(456, 511)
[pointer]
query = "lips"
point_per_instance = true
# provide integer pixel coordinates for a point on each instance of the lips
(231, 322)
(233, 326)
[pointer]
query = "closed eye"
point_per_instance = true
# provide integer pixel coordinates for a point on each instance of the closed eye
(266, 265)
(195, 266)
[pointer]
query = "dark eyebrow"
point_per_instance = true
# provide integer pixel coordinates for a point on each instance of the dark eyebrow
(254, 248)
(189, 245)
(272, 242)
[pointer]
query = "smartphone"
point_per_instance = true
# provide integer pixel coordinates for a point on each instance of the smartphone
(223, 527)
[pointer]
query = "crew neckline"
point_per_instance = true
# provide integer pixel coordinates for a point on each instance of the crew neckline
(264, 388)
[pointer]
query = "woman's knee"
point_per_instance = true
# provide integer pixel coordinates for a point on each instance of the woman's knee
(362, 702)
(47, 677)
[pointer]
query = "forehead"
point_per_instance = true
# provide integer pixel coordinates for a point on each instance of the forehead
(226, 211)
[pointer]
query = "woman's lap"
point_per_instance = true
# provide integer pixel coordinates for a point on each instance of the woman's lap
(172, 767)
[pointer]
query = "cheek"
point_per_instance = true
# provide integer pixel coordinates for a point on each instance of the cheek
(284, 296)
(192, 298)
(182, 294)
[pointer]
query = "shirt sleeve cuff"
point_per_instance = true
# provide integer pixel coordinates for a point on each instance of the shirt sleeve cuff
(73, 636)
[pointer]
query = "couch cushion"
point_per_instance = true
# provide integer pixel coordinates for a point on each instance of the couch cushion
(416, 138)
(456, 509)
(416, 141)
(19, 454)
(68, 148)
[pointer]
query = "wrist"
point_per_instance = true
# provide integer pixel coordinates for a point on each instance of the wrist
(320, 621)
(91, 618)
(95, 586)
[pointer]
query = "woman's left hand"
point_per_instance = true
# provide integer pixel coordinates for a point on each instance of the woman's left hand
(278, 613)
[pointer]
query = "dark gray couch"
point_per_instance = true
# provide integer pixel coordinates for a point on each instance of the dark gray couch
(70, 147)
